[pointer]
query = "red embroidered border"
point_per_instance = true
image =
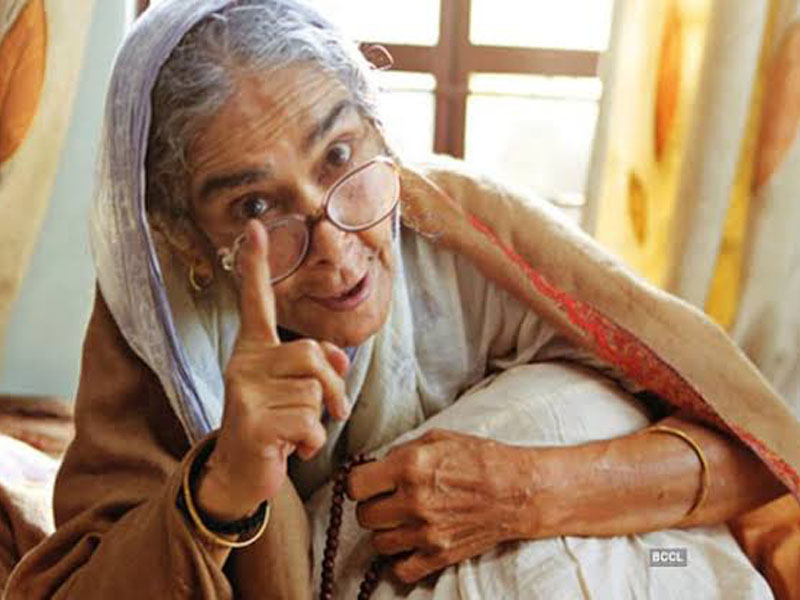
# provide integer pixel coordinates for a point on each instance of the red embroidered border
(621, 348)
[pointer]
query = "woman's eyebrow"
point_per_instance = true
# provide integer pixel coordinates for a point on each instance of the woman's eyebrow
(216, 183)
(326, 124)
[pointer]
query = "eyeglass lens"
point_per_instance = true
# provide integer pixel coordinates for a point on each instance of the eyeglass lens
(358, 201)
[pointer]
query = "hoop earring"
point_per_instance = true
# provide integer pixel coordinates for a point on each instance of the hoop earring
(198, 286)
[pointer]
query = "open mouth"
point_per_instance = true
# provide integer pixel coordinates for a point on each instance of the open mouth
(351, 298)
(353, 291)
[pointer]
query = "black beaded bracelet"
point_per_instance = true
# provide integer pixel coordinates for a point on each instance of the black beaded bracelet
(239, 526)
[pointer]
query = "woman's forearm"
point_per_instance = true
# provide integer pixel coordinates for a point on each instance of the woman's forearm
(277, 565)
(646, 481)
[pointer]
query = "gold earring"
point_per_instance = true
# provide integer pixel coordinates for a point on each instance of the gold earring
(203, 283)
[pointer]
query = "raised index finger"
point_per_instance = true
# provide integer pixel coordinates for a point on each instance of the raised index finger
(256, 298)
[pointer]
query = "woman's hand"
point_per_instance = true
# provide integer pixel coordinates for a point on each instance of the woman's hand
(443, 498)
(274, 394)
(447, 496)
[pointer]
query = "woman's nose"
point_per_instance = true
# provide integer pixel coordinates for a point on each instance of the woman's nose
(328, 244)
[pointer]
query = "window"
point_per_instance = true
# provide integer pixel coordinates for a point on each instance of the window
(533, 130)
(511, 84)
(565, 24)
(413, 22)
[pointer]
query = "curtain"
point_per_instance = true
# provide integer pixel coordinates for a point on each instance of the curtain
(41, 46)
(695, 176)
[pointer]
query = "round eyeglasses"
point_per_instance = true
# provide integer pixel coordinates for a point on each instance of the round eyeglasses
(360, 199)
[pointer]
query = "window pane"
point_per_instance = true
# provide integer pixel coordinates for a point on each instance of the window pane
(534, 131)
(407, 104)
(408, 22)
(572, 24)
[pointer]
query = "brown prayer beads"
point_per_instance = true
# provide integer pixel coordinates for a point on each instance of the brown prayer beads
(372, 576)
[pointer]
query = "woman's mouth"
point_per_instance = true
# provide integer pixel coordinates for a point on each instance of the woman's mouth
(351, 298)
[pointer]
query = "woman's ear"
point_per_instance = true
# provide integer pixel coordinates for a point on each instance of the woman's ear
(188, 245)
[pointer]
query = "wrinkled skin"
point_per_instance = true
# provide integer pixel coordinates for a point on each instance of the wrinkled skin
(263, 130)
(443, 498)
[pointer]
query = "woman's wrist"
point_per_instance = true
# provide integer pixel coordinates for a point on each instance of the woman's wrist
(223, 531)
(217, 498)
(546, 507)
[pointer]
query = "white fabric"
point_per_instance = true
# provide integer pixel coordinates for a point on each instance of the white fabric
(556, 403)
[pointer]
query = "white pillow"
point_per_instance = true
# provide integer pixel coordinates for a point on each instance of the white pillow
(553, 403)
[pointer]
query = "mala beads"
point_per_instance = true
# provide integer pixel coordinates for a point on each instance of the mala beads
(372, 576)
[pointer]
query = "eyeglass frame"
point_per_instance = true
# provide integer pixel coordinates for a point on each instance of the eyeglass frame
(228, 255)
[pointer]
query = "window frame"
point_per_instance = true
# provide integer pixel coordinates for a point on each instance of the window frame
(454, 58)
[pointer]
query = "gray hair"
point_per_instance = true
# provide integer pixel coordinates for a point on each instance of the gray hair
(199, 77)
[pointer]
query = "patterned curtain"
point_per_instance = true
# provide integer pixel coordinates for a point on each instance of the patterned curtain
(9, 11)
(695, 179)
(41, 47)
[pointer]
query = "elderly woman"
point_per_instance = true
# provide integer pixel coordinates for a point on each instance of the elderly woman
(262, 306)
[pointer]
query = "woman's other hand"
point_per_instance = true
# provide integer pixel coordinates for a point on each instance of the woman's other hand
(274, 396)
(443, 498)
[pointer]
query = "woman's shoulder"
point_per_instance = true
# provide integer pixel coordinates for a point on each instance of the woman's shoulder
(457, 177)
(488, 193)
(474, 190)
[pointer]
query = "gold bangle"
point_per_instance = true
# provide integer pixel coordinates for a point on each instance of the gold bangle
(705, 472)
(186, 490)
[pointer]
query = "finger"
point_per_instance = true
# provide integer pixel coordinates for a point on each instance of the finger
(306, 358)
(336, 357)
(395, 541)
(387, 512)
(256, 298)
(295, 392)
(298, 427)
(419, 565)
(338, 405)
(371, 479)
(424, 562)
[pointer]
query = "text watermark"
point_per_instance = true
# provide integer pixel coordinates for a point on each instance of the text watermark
(668, 557)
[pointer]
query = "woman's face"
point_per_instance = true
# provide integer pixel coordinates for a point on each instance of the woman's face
(278, 145)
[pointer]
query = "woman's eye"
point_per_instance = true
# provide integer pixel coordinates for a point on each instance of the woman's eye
(254, 207)
(339, 154)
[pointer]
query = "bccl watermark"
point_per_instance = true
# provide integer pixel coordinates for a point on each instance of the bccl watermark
(668, 557)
